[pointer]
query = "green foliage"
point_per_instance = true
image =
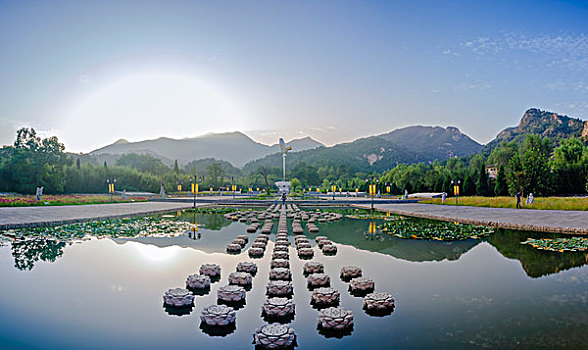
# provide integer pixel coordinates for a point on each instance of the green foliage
(501, 187)
(482, 188)
(295, 183)
(529, 169)
(570, 166)
(33, 162)
(143, 163)
(441, 231)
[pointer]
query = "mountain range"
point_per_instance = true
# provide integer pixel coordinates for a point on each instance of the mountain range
(234, 147)
(375, 153)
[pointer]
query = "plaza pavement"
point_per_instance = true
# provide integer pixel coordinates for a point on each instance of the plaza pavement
(557, 221)
(14, 217)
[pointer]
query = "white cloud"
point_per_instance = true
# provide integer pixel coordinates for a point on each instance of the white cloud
(551, 50)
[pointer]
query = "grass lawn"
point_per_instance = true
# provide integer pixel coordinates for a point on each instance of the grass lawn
(542, 203)
(70, 199)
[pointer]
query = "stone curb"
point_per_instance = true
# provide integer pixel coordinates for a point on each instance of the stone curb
(86, 219)
(497, 224)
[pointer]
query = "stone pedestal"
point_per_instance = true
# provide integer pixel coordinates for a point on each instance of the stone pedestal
(279, 263)
(280, 273)
(231, 294)
(218, 315)
(313, 267)
(349, 272)
(335, 319)
(360, 285)
(255, 252)
(178, 297)
(210, 270)
(280, 288)
(240, 278)
(198, 281)
(318, 280)
(248, 267)
(325, 296)
(278, 307)
(274, 336)
(378, 302)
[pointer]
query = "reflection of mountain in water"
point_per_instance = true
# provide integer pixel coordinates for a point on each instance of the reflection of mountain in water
(536, 263)
(27, 252)
(355, 233)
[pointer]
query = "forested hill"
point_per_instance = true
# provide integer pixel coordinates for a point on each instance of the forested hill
(377, 153)
(543, 123)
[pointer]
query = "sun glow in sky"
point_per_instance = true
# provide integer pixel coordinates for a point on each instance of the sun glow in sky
(156, 104)
(95, 72)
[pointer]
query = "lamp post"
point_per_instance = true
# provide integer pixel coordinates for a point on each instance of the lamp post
(372, 189)
(111, 183)
(456, 184)
(333, 188)
(194, 187)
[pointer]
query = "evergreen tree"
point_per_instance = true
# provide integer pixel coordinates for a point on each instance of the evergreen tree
(501, 187)
(482, 184)
(176, 168)
(78, 163)
(469, 185)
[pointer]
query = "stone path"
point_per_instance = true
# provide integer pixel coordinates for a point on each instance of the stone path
(558, 221)
(15, 217)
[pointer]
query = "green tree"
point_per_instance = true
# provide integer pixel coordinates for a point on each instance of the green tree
(501, 187)
(529, 169)
(176, 168)
(482, 183)
(294, 183)
(215, 174)
(570, 166)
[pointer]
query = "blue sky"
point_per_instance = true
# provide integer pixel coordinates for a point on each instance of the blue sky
(92, 72)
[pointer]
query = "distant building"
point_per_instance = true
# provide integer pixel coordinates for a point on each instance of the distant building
(283, 186)
(492, 171)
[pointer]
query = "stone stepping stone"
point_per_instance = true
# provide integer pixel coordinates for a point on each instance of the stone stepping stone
(218, 315)
(178, 297)
(196, 281)
(335, 319)
(274, 336)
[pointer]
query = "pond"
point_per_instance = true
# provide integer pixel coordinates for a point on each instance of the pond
(107, 292)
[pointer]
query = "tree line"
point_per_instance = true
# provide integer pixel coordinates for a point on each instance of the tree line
(535, 166)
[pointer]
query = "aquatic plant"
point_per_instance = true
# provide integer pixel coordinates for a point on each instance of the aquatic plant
(124, 227)
(441, 231)
(571, 244)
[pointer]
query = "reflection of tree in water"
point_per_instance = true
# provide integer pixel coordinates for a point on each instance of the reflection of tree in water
(536, 263)
(27, 252)
(356, 233)
(213, 222)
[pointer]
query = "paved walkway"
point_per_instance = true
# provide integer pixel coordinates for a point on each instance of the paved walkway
(558, 221)
(15, 217)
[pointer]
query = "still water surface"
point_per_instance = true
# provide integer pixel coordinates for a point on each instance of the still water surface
(107, 293)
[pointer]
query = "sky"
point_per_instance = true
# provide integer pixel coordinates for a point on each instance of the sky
(93, 72)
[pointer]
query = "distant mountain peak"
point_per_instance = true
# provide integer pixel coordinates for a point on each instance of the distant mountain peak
(120, 142)
(543, 123)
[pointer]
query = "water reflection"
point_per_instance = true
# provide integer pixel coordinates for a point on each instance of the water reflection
(27, 252)
(358, 234)
(535, 263)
